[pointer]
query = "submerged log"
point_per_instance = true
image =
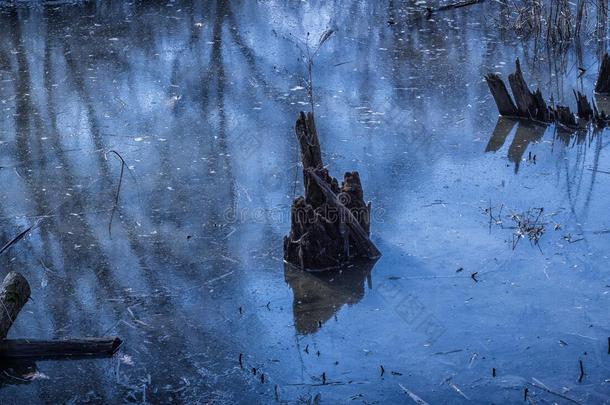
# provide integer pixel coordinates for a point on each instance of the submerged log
(331, 223)
(602, 86)
(14, 294)
(43, 349)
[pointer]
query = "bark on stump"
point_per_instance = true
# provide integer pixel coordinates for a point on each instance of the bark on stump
(503, 100)
(14, 294)
(330, 224)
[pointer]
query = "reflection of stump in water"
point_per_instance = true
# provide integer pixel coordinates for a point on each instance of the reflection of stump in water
(318, 296)
(500, 133)
(330, 224)
(526, 134)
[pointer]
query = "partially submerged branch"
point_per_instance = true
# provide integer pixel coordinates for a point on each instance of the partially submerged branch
(45, 349)
(14, 294)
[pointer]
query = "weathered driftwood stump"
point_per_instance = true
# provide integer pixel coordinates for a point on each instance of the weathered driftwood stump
(330, 224)
(14, 294)
(528, 105)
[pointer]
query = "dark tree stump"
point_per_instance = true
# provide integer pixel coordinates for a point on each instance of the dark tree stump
(584, 109)
(506, 106)
(526, 104)
(565, 117)
(329, 225)
(602, 86)
(532, 106)
(14, 294)
(529, 105)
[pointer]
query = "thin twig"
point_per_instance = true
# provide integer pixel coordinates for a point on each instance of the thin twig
(118, 190)
(18, 237)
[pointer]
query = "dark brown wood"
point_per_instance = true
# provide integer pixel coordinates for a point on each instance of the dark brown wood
(565, 118)
(529, 105)
(14, 294)
(532, 106)
(523, 97)
(331, 224)
(307, 135)
(506, 106)
(584, 109)
(602, 86)
(42, 349)
(359, 235)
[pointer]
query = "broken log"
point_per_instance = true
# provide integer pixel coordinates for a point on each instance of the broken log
(584, 109)
(11, 349)
(602, 85)
(523, 97)
(331, 224)
(506, 106)
(565, 118)
(523, 103)
(529, 105)
(14, 294)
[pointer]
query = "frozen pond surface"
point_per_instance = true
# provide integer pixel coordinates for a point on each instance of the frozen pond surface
(200, 100)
